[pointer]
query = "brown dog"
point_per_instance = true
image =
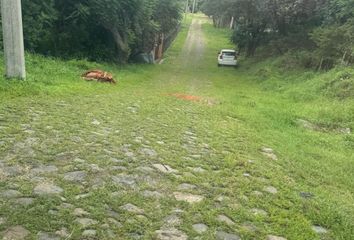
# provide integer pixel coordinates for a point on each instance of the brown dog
(99, 76)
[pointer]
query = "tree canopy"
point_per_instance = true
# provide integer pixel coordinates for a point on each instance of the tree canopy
(283, 25)
(97, 29)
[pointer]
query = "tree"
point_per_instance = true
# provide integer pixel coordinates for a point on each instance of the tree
(112, 30)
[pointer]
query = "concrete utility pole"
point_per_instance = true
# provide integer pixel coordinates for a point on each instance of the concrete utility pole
(13, 38)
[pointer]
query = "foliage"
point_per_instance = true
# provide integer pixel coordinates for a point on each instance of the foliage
(288, 25)
(97, 29)
(39, 16)
(335, 42)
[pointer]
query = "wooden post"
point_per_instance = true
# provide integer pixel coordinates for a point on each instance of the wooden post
(13, 38)
(232, 22)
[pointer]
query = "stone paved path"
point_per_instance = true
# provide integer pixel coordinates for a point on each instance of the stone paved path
(118, 166)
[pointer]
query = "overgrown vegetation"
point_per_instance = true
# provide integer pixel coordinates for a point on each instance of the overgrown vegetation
(113, 30)
(324, 28)
(57, 119)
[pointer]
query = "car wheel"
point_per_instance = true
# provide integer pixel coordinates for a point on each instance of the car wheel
(219, 65)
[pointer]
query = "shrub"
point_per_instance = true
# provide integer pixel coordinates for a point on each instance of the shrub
(335, 44)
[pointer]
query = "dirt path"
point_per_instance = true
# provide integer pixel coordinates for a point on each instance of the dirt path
(194, 46)
(192, 55)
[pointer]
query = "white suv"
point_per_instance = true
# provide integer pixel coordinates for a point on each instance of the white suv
(227, 57)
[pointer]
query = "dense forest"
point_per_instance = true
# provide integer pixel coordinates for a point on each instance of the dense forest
(320, 33)
(109, 30)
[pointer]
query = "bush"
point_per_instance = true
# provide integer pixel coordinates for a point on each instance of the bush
(335, 43)
(298, 60)
(341, 87)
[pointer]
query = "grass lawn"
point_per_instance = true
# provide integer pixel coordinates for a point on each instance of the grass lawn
(181, 150)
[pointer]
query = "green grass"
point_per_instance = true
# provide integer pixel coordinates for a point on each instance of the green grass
(256, 105)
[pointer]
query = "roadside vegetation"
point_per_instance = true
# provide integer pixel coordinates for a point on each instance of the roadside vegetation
(319, 33)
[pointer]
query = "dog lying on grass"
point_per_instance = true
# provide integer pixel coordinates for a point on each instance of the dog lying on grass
(99, 76)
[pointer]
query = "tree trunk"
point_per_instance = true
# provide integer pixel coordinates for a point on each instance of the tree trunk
(121, 43)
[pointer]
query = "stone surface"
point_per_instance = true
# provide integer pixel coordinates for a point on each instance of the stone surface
(272, 237)
(118, 168)
(10, 194)
(308, 125)
(164, 168)
(344, 130)
(145, 169)
(12, 171)
(96, 122)
(196, 156)
(24, 201)
(171, 234)
(259, 212)
(152, 194)
(82, 196)
(306, 195)
(15, 233)
(78, 176)
(95, 168)
(198, 170)
(124, 180)
(79, 160)
(132, 209)
(257, 193)
(66, 206)
(271, 190)
(190, 198)
(249, 227)
(148, 152)
(200, 228)
(63, 233)
(79, 212)
(220, 235)
(186, 186)
(86, 222)
(47, 236)
(114, 222)
(47, 189)
(44, 170)
(172, 221)
(319, 229)
(269, 153)
(225, 219)
(89, 233)
(221, 199)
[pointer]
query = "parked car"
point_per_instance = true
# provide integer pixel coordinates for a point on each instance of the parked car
(227, 57)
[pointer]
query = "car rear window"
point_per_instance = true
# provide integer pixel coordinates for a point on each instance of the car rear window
(231, 54)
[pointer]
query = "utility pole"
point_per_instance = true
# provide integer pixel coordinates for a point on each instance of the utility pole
(194, 2)
(13, 38)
